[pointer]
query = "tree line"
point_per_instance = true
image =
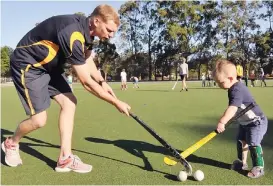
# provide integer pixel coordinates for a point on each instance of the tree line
(154, 35)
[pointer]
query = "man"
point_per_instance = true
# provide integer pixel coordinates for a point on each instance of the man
(262, 77)
(135, 81)
(123, 76)
(184, 73)
(37, 72)
(239, 70)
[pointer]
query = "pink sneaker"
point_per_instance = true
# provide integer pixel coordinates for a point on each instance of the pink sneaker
(12, 156)
(72, 163)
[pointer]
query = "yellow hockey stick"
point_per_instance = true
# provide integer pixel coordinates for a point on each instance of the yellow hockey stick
(171, 161)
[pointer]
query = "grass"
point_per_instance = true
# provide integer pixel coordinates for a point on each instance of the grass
(121, 151)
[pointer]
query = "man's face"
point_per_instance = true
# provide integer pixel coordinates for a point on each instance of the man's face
(104, 30)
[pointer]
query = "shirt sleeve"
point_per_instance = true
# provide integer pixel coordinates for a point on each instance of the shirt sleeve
(72, 45)
(235, 97)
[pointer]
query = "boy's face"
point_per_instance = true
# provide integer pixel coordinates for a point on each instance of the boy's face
(224, 82)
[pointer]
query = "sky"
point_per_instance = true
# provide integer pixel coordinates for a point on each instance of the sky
(19, 17)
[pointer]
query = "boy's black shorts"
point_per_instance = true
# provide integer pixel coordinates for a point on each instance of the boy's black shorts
(35, 87)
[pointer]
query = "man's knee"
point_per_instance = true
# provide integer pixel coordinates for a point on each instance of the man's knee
(66, 100)
(39, 120)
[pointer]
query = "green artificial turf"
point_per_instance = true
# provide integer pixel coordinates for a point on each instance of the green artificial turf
(121, 151)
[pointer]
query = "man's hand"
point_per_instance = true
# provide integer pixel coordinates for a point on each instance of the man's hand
(220, 127)
(122, 107)
(108, 89)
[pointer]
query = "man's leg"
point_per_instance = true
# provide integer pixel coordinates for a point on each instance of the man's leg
(67, 102)
(33, 93)
(184, 83)
(11, 145)
(28, 125)
(61, 93)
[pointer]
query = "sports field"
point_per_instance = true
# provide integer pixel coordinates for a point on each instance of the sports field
(121, 151)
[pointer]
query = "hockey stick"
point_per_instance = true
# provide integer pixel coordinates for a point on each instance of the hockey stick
(172, 150)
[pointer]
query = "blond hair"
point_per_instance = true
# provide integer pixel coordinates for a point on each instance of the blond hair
(106, 13)
(224, 68)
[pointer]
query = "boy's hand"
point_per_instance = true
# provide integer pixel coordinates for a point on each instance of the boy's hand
(220, 127)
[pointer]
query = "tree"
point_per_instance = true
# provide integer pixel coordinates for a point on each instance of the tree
(80, 13)
(268, 15)
(5, 60)
(106, 55)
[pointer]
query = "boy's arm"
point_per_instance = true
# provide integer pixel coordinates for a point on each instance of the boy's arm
(228, 114)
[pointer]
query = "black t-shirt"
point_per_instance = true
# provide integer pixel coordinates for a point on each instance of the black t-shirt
(53, 42)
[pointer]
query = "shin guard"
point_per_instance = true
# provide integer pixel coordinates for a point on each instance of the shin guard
(257, 156)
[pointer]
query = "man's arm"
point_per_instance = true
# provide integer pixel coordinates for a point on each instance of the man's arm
(92, 67)
(92, 86)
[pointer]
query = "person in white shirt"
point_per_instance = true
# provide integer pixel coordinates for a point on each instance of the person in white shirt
(184, 73)
(123, 76)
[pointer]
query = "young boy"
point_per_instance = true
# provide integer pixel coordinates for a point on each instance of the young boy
(253, 125)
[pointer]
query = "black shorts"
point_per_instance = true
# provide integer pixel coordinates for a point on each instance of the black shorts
(36, 87)
(239, 77)
(182, 76)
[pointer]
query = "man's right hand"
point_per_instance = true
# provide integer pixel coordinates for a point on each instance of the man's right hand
(122, 107)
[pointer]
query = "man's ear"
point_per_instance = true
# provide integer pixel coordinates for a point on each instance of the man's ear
(96, 21)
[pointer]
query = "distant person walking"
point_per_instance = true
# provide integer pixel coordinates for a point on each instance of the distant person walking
(184, 73)
(262, 77)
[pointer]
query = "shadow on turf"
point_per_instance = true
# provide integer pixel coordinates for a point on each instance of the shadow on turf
(137, 148)
(178, 90)
(27, 148)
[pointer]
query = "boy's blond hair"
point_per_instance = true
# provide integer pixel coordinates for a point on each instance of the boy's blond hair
(106, 13)
(224, 68)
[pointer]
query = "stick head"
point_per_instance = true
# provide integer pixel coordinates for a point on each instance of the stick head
(187, 167)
